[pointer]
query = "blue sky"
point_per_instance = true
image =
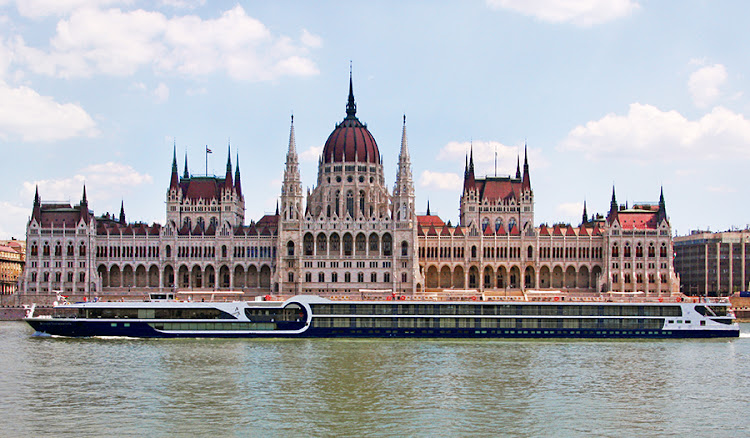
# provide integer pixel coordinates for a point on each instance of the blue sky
(632, 93)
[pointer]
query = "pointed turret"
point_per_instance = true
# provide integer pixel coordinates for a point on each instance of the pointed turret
(291, 190)
(613, 202)
(351, 106)
(518, 167)
(122, 213)
(36, 212)
(237, 184)
(585, 218)
(662, 205)
(228, 183)
(174, 180)
(428, 207)
(186, 174)
(469, 180)
(526, 184)
(404, 186)
(84, 206)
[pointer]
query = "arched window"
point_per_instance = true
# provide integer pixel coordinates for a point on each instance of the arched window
(322, 244)
(626, 251)
(374, 243)
(290, 277)
(70, 250)
(347, 277)
(224, 251)
(169, 251)
(214, 222)
(82, 249)
(473, 252)
(321, 277)
(485, 223)
(373, 277)
(335, 243)
(404, 248)
(290, 248)
(651, 250)
(348, 244)
(350, 203)
(362, 202)
(34, 249)
(336, 205)
(201, 223)
(530, 252)
(403, 277)
(308, 244)
(387, 245)
(45, 249)
(498, 223)
(639, 250)
(663, 250)
(187, 222)
(360, 277)
(615, 250)
(58, 249)
(511, 223)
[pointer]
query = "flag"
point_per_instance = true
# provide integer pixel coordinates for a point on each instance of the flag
(209, 151)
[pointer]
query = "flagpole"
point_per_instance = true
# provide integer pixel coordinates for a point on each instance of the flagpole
(206, 160)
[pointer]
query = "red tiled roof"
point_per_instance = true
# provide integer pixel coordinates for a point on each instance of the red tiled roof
(501, 231)
(570, 231)
(458, 232)
(446, 231)
(544, 231)
(432, 231)
(493, 189)
(556, 231)
(638, 220)
(489, 231)
(514, 231)
(428, 220)
(202, 187)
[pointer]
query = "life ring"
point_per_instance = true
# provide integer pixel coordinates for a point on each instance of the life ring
(388, 298)
(402, 297)
(557, 298)
(661, 300)
(695, 300)
(473, 298)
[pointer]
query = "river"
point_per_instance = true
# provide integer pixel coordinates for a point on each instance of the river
(381, 387)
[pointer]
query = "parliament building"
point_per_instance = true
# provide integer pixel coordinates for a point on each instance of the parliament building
(346, 236)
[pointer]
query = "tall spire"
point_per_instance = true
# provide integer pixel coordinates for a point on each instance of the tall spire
(291, 190)
(122, 212)
(186, 174)
(526, 184)
(83, 198)
(404, 187)
(613, 202)
(84, 206)
(662, 204)
(237, 184)
(36, 212)
(585, 214)
(404, 154)
(228, 177)
(174, 180)
(518, 167)
(428, 207)
(351, 107)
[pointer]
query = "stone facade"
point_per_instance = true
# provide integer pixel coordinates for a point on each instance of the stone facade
(347, 235)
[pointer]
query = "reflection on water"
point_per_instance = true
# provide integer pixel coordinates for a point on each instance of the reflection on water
(383, 387)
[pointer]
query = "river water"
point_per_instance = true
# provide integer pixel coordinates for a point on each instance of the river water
(381, 387)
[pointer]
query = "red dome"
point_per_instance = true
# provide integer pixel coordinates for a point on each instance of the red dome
(350, 142)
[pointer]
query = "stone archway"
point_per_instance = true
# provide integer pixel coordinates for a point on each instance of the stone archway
(431, 279)
(239, 277)
(445, 277)
(584, 277)
(141, 278)
(557, 277)
(545, 278)
(529, 278)
(570, 277)
(458, 277)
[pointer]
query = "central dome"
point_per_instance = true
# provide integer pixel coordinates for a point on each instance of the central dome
(351, 141)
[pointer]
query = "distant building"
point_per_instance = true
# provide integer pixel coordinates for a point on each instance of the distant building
(347, 233)
(713, 264)
(12, 257)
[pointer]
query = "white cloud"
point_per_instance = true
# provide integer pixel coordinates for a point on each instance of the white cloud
(311, 40)
(161, 93)
(33, 117)
(570, 209)
(704, 84)
(13, 220)
(508, 157)
(440, 181)
(311, 154)
(649, 134)
(119, 43)
(103, 182)
(44, 8)
(583, 13)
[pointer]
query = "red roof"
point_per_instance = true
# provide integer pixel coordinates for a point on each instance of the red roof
(202, 187)
(638, 220)
(430, 220)
(351, 141)
(493, 189)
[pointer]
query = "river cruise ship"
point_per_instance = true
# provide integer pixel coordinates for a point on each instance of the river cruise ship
(312, 316)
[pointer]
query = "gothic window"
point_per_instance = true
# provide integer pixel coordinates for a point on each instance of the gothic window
(626, 251)
(360, 277)
(308, 277)
(348, 244)
(334, 277)
(347, 277)
(362, 202)
(82, 249)
(387, 277)
(511, 223)
(290, 277)
(322, 243)
(70, 250)
(651, 250)
(374, 243)
(33, 276)
(224, 251)
(404, 248)
(530, 252)
(45, 276)
(387, 245)
(187, 222)
(627, 278)
(308, 244)
(321, 277)
(45, 249)
(335, 243)
(34, 249)
(473, 252)
(360, 243)
(290, 248)
(336, 205)
(615, 250)
(169, 251)
(485, 223)
(350, 203)
(663, 250)
(639, 250)
(70, 277)
(403, 277)
(201, 223)
(58, 249)
(373, 277)
(81, 277)
(498, 223)
(214, 222)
